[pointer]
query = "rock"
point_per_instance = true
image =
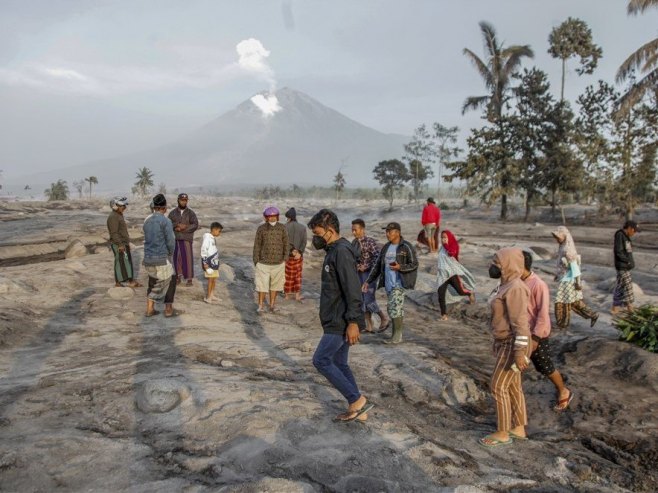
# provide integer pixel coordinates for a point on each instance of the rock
(160, 396)
(270, 485)
(609, 286)
(542, 253)
(226, 273)
(75, 249)
(225, 363)
(76, 266)
(121, 293)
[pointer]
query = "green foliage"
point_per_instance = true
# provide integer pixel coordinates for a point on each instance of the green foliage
(144, 181)
(92, 180)
(640, 327)
(574, 38)
(57, 191)
(339, 183)
(446, 147)
(418, 151)
(391, 175)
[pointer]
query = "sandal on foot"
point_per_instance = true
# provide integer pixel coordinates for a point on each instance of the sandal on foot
(383, 328)
(491, 442)
(514, 436)
(174, 313)
(152, 314)
(563, 404)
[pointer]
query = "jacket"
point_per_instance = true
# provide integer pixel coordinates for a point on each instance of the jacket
(184, 216)
(159, 239)
(296, 236)
(340, 291)
(406, 257)
(271, 244)
(623, 251)
(509, 305)
(116, 225)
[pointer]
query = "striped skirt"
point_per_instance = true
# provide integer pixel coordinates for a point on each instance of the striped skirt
(183, 259)
(623, 293)
(123, 264)
(293, 282)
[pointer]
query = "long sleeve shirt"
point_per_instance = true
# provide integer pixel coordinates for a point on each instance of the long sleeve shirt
(271, 244)
(431, 215)
(369, 251)
(184, 216)
(159, 239)
(209, 252)
(623, 251)
(296, 236)
(116, 226)
(340, 292)
(539, 318)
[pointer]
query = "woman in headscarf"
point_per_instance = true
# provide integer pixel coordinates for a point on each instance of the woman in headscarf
(453, 278)
(569, 290)
(511, 333)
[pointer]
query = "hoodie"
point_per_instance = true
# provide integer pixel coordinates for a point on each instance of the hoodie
(509, 306)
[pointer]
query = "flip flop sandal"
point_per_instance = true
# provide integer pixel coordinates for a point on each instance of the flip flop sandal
(367, 407)
(152, 314)
(174, 313)
(491, 442)
(135, 285)
(383, 329)
(514, 436)
(563, 402)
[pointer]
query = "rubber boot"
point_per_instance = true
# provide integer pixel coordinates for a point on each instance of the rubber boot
(396, 338)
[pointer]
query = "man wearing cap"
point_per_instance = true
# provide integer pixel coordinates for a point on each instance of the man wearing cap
(295, 260)
(396, 268)
(185, 224)
(431, 219)
(271, 249)
(159, 244)
(623, 297)
(120, 244)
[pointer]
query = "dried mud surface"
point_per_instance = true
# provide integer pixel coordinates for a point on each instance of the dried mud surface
(95, 397)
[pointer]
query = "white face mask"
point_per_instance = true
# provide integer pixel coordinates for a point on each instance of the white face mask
(272, 222)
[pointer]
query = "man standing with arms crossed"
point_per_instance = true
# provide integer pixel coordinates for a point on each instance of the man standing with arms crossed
(340, 313)
(431, 219)
(185, 224)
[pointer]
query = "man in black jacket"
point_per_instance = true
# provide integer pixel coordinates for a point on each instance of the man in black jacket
(396, 268)
(340, 313)
(622, 297)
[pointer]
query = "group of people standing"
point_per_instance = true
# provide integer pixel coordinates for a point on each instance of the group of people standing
(352, 272)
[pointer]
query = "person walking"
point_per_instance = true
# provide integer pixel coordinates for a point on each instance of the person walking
(295, 260)
(539, 320)
(367, 253)
(185, 224)
(159, 244)
(210, 260)
(395, 270)
(623, 297)
(569, 290)
(453, 278)
(431, 220)
(120, 244)
(271, 248)
(340, 313)
(511, 334)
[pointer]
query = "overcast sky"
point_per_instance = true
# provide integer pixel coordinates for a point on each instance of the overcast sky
(88, 79)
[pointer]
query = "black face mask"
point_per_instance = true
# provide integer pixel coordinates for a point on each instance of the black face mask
(318, 242)
(494, 271)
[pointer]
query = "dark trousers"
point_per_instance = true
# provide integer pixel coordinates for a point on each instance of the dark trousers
(456, 283)
(330, 359)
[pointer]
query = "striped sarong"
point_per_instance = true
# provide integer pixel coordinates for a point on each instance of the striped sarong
(123, 264)
(183, 259)
(623, 293)
(293, 282)
(449, 266)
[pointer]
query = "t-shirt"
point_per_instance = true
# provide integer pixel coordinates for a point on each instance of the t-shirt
(392, 277)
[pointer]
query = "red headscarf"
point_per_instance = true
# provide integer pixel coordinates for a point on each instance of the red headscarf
(452, 247)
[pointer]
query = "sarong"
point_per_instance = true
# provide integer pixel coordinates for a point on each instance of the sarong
(293, 282)
(123, 264)
(567, 292)
(623, 294)
(160, 280)
(183, 259)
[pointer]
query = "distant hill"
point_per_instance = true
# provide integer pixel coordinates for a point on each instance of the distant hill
(304, 143)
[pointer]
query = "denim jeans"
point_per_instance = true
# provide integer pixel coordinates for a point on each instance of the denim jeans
(330, 359)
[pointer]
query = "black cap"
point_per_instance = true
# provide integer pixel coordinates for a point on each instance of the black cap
(391, 226)
(291, 214)
(182, 196)
(159, 200)
(630, 225)
(431, 200)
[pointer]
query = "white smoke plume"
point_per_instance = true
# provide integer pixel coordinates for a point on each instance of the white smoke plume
(253, 58)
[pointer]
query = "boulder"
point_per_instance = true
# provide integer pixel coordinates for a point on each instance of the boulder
(541, 252)
(608, 286)
(226, 273)
(121, 293)
(160, 396)
(75, 249)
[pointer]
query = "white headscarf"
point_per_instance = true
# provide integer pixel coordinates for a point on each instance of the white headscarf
(567, 246)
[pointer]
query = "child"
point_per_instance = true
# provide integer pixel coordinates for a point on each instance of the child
(210, 259)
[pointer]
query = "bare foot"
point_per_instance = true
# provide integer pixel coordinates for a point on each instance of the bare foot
(471, 299)
(444, 317)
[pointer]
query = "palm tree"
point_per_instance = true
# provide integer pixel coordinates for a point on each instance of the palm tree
(92, 180)
(645, 59)
(144, 181)
(57, 191)
(497, 72)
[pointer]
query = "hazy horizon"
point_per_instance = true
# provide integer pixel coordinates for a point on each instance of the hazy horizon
(86, 80)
